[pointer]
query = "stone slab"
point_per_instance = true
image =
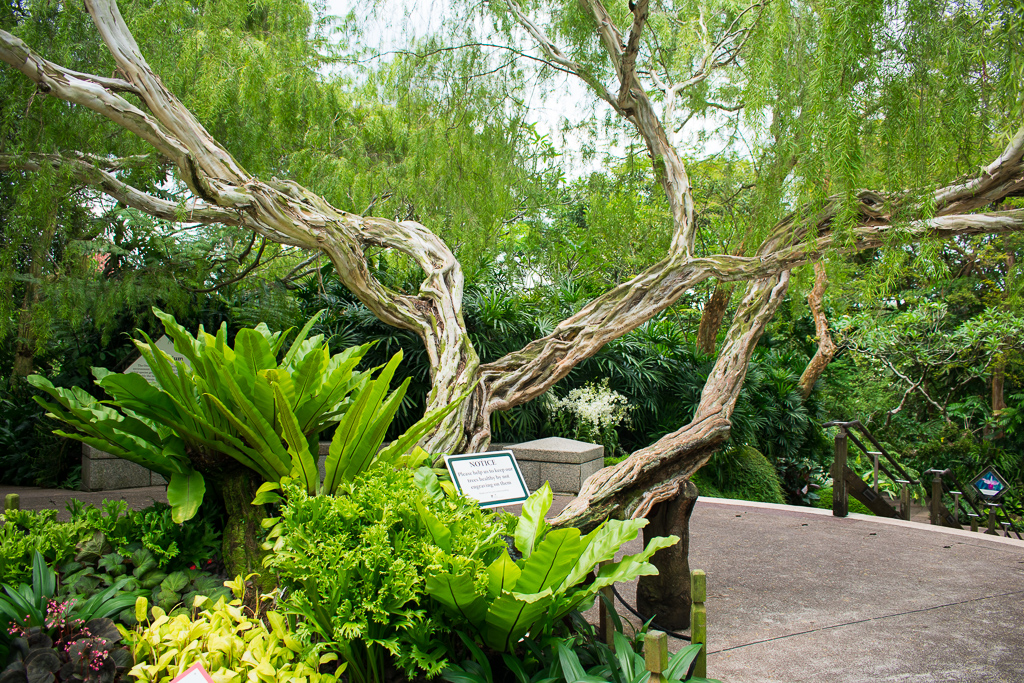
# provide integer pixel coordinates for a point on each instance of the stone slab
(102, 471)
(564, 463)
(557, 449)
(110, 474)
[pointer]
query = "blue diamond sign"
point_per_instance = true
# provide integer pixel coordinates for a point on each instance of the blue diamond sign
(990, 485)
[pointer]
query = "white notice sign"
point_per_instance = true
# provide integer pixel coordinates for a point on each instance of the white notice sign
(491, 478)
(141, 367)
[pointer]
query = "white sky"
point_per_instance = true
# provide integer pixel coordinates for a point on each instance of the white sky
(552, 104)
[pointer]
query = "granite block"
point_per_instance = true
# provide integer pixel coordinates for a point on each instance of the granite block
(563, 477)
(107, 474)
(95, 453)
(557, 449)
(531, 474)
(588, 469)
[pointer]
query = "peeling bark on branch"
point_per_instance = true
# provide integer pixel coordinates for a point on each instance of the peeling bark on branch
(712, 317)
(632, 487)
(826, 347)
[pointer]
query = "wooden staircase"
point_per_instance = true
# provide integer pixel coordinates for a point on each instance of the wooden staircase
(846, 482)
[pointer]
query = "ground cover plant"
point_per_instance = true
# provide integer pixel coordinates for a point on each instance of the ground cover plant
(367, 569)
(232, 642)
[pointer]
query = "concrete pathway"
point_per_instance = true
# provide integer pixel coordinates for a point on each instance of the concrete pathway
(796, 595)
(799, 596)
(33, 498)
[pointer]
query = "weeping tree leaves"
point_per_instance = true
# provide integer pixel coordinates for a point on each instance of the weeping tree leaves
(546, 584)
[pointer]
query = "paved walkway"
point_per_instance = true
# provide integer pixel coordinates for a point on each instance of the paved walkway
(796, 595)
(799, 596)
(57, 499)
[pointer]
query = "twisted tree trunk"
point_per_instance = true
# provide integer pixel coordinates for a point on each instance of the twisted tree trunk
(285, 212)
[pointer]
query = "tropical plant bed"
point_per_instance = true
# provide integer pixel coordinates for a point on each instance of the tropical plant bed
(390, 579)
(376, 570)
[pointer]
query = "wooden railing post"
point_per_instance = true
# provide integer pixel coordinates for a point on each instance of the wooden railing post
(904, 498)
(12, 502)
(936, 506)
(656, 655)
(699, 620)
(840, 502)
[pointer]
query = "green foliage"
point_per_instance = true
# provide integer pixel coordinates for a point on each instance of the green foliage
(503, 599)
(243, 403)
(33, 605)
(959, 451)
(582, 657)
(25, 533)
(174, 546)
(824, 502)
(355, 566)
(231, 643)
(743, 473)
(92, 533)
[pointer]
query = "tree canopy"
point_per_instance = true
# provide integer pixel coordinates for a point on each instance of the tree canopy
(862, 127)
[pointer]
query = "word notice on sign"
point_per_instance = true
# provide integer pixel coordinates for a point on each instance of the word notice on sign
(141, 367)
(491, 478)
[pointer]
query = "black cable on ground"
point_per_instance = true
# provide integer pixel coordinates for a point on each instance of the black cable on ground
(644, 620)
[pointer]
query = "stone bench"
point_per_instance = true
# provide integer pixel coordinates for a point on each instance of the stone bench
(102, 471)
(564, 463)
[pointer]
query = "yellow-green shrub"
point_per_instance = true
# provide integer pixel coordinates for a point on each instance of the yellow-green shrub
(232, 646)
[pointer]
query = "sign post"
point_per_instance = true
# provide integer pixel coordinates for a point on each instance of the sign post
(492, 478)
(990, 485)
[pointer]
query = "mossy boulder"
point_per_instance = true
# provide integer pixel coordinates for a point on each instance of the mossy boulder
(741, 473)
(825, 503)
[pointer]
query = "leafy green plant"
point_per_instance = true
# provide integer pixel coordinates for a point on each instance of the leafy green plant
(532, 594)
(179, 589)
(173, 545)
(355, 564)
(243, 403)
(26, 532)
(231, 643)
(91, 571)
(33, 605)
(580, 657)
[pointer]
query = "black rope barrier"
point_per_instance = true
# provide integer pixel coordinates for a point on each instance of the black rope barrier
(644, 620)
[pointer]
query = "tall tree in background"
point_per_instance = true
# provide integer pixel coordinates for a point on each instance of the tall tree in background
(905, 99)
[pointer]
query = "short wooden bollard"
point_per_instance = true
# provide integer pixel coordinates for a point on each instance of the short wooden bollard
(699, 620)
(12, 502)
(605, 627)
(656, 655)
